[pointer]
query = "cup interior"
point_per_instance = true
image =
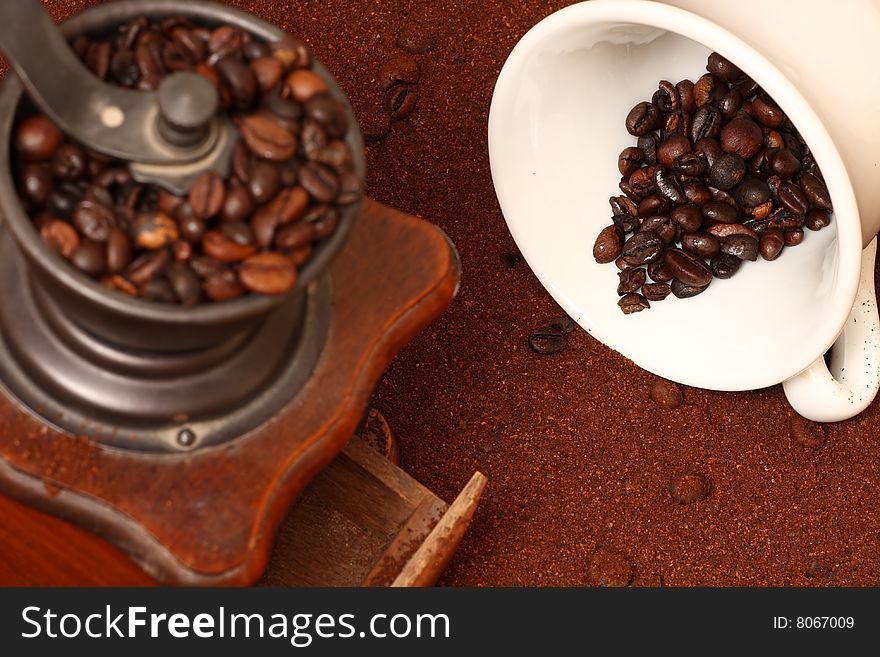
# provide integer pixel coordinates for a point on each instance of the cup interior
(556, 129)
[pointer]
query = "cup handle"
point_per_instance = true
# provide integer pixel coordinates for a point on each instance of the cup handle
(854, 377)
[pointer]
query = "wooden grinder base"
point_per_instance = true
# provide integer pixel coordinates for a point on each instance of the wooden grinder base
(210, 517)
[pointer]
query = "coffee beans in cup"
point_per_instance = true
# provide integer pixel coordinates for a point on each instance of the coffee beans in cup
(719, 176)
(291, 175)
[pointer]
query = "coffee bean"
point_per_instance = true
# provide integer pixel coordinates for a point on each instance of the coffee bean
(69, 162)
(792, 198)
(784, 164)
(400, 101)
(625, 222)
(751, 192)
(688, 216)
(191, 45)
(206, 195)
(685, 291)
(709, 149)
(94, 220)
(547, 340)
(726, 230)
(741, 136)
(687, 268)
(609, 568)
(219, 246)
(264, 182)
(685, 90)
(815, 191)
(266, 138)
(118, 251)
(671, 149)
(690, 488)
(629, 160)
(642, 248)
(319, 181)
(633, 303)
(329, 113)
(807, 433)
(296, 235)
(669, 185)
(704, 89)
(719, 212)
(36, 182)
(225, 40)
(794, 236)
(727, 171)
(124, 69)
(691, 164)
(652, 205)
(767, 113)
(510, 259)
(656, 291)
(240, 79)
(642, 181)
(267, 72)
(222, 286)
(642, 119)
(89, 258)
(303, 84)
(697, 193)
(772, 243)
(723, 68)
(704, 245)
(37, 139)
(60, 237)
(666, 394)
(563, 322)
(153, 230)
(186, 285)
(631, 280)
(648, 144)
(399, 69)
(817, 219)
(267, 273)
(238, 206)
(661, 225)
(725, 265)
(730, 104)
(743, 247)
(659, 272)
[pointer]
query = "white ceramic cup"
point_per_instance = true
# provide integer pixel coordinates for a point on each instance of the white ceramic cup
(556, 127)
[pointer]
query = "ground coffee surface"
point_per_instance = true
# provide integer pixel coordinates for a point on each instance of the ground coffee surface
(591, 480)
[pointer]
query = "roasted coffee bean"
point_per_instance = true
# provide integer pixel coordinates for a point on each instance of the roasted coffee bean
(319, 181)
(292, 52)
(629, 160)
(690, 488)
(118, 251)
(725, 265)
(771, 244)
(687, 268)
(659, 272)
(730, 104)
(704, 90)
(719, 212)
(625, 222)
(685, 291)
(330, 112)
(727, 171)
(94, 220)
(324, 218)
(633, 303)
(268, 72)
(709, 149)
(743, 247)
(239, 232)
(217, 245)
(751, 192)
(264, 182)
(653, 205)
(547, 340)
(656, 291)
(64, 199)
(60, 237)
(642, 119)
(296, 235)
(672, 148)
(691, 164)
(642, 248)
(222, 286)
(191, 228)
(784, 164)
(726, 230)
(794, 236)
(186, 285)
(89, 258)
(792, 198)
(815, 191)
(225, 40)
(685, 90)
(240, 79)
(182, 251)
(268, 273)
(207, 194)
(36, 182)
(817, 219)
(154, 230)
(158, 290)
(399, 69)
(662, 101)
(628, 190)
(723, 68)
(705, 245)
(669, 186)
(705, 123)
(266, 138)
(757, 226)
(688, 216)
(37, 139)
(253, 50)
(400, 101)
(191, 45)
(303, 84)
(666, 394)
(767, 113)
(807, 433)
(238, 206)
(785, 219)
(631, 280)
(147, 266)
(119, 284)
(741, 136)
(697, 193)
(610, 569)
(69, 162)
(648, 144)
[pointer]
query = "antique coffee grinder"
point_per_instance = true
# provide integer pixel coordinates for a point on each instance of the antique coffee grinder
(182, 434)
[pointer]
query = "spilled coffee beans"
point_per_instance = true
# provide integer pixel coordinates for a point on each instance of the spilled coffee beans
(718, 176)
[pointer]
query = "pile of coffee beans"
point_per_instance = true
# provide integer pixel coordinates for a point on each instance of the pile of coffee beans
(292, 172)
(719, 175)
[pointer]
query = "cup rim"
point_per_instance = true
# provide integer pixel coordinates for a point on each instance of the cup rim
(27, 238)
(785, 93)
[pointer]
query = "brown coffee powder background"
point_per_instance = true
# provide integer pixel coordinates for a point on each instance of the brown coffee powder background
(579, 458)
